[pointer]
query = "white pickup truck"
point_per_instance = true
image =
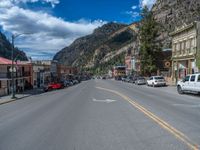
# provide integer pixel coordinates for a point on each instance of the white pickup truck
(190, 84)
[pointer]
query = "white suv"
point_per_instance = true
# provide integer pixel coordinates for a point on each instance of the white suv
(156, 81)
(191, 83)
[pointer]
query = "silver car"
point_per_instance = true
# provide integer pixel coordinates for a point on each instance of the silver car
(140, 81)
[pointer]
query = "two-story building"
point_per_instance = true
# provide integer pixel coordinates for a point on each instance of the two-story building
(22, 76)
(64, 71)
(185, 49)
(119, 71)
(41, 73)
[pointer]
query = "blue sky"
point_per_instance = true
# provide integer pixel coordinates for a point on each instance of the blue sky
(55, 24)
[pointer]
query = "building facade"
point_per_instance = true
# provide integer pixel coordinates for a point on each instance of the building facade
(185, 49)
(64, 71)
(119, 71)
(41, 73)
(128, 64)
(22, 76)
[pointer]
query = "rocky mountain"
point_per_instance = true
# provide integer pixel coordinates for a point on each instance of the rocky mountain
(103, 44)
(6, 48)
(171, 14)
(107, 43)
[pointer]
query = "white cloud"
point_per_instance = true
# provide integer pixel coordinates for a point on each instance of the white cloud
(5, 3)
(49, 33)
(9, 3)
(148, 3)
(133, 7)
(134, 14)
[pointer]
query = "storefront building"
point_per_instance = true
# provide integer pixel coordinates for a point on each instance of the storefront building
(22, 76)
(185, 48)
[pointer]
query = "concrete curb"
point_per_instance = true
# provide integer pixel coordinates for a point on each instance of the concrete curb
(9, 101)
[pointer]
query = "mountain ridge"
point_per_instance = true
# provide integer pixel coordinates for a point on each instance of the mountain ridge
(110, 37)
(6, 49)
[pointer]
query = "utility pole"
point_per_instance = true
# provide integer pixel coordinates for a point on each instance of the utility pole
(13, 59)
(12, 71)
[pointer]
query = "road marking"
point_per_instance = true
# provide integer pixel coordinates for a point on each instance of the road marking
(187, 105)
(104, 101)
(178, 134)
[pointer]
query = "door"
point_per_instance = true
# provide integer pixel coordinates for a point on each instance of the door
(150, 80)
(191, 84)
(197, 86)
(186, 83)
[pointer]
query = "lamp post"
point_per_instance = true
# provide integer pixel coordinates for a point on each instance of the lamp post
(12, 66)
(12, 70)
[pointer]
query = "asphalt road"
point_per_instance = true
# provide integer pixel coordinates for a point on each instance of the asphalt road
(102, 115)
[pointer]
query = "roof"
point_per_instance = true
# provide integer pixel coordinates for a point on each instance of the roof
(183, 28)
(4, 61)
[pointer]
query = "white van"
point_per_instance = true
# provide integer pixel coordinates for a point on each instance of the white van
(191, 84)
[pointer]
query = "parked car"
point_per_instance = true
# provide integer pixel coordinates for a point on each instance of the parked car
(75, 82)
(67, 83)
(156, 81)
(53, 86)
(123, 78)
(119, 78)
(140, 81)
(127, 79)
(190, 84)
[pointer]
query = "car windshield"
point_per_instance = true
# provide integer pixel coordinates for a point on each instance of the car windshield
(159, 78)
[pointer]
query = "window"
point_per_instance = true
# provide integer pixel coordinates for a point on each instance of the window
(178, 48)
(192, 79)
(187, 44)
(198, 80)
(159, 78)
(182, 45)
(187, 78)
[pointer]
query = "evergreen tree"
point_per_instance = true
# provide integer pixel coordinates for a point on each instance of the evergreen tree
(150, 49)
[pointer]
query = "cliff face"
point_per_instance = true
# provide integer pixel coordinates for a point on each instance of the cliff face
(90, 50)
(171, 14)
(6, 49)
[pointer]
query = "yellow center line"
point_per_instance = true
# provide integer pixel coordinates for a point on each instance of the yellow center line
(178, 134)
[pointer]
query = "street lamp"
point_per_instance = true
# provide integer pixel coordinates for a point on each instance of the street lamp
(12, 57)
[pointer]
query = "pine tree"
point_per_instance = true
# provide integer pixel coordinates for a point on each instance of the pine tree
(150, 49)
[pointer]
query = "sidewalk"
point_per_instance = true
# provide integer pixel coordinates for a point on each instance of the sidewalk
(8, 98)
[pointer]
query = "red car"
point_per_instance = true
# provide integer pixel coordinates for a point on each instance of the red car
(53, 86)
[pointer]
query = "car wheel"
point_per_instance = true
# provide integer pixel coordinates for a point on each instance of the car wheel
(179, 89)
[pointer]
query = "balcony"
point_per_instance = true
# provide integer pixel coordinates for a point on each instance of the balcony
(4, 75)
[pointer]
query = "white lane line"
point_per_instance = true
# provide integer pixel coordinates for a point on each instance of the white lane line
(188, 105)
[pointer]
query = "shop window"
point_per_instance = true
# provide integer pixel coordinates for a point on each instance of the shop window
(192, 78)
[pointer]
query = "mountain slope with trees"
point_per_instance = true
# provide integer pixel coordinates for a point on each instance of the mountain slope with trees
(6, 49)
(90, 51)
